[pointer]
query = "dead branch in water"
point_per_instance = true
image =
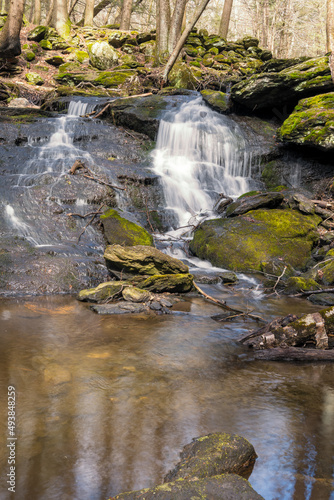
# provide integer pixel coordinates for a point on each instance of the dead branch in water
(226, 307)
(90, 221)
(311, 292)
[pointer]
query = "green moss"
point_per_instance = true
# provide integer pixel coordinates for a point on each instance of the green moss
(172, 283)
(122, 231)
(45, 44)
(249, 193)
(299, 284)
(217, 100)
(270, 175)
(112, 79)
(29, 55)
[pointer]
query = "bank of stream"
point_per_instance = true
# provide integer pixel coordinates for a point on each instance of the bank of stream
(105, 403)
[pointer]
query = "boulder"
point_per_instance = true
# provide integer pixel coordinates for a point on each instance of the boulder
(37, 34)
(214, 454)
(244, 243)
(102, 292)
(102, 55)
(269, 90)
(133, 294)
(247, 203)
(311, 123)
(142, 260)
(224, 486)
(181, 77)
(218, 101)
(122, 231)
(34, 78)
(172, 283)
(118, 38)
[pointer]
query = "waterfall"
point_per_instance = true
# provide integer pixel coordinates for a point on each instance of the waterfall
(200, 155)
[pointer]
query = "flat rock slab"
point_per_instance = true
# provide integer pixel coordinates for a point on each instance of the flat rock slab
(120, 308)
(214, 454)
(222, 487)
(248, 203)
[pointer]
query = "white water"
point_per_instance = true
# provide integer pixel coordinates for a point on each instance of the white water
(199, 155)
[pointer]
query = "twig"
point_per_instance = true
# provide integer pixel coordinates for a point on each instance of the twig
(99, 181)
(72, 214)
(224, 306)
(102, 111)
(279, 277)
(311, 292)
(89, 222)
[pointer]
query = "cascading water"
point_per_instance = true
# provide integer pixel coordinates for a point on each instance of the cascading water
(200, 155)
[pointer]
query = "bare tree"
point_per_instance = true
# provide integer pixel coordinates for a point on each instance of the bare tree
(10, 34)
(225, 19)
(181, 42)
(89, 13)
(59, 19)
(37, 12)
(330, 34)
(126, 15)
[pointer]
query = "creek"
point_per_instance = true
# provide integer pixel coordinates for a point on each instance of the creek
(105, 404)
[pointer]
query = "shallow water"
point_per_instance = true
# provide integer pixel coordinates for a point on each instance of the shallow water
(105, 404)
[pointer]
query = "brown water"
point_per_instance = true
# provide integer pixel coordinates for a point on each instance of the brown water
(105, 404)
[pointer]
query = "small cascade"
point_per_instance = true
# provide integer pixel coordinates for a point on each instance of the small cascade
(200, 155)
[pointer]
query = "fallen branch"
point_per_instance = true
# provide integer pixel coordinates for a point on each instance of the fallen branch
(90, 221)
(226, 307)
(100, 181)
(311, 292)
(76, 165)
(102, 111)
(72, 214)
(322, 204)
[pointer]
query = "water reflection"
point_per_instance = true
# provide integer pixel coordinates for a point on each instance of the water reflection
(105, 404)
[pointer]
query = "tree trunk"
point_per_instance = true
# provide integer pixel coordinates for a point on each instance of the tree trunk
(60, 20)
(10, 34)
(126, 15)
(181, 42)
(330, 34)
(37, 13)
(89, 13)
(225, 19)
(102, 5)
(163, 24)
(176, 24)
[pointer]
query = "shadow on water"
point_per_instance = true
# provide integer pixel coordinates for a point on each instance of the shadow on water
(104, 405)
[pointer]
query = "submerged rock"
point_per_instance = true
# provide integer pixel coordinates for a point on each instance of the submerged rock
(311, 123)
(268, 90)
(122, 231)
(224, 486)
(141, 259)
(214, 454)
(244, 243)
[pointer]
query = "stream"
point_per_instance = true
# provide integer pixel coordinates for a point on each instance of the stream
(105, 404)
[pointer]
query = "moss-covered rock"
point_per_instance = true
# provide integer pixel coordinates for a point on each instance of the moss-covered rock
(218, 101)
(46, 44)
(244, 243)
(29, 55)
(55, 61)
(101, 55)
(34, 78)
(118, 38)
(181, 77)
(142, 260)
(112, 79)
(297, 284)
(102, 292)
(268, 90)
(172, 283)
(121, 231)
(72, 73)
(311, 123)
(214, 454)
(224, 486)
(133, 294)
(37, 34)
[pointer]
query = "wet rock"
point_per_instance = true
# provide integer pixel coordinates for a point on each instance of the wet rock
(205, 279)
(244, 243)
(141, 259)
(297, 284)
(133, 294)
(172, 283)
(229, 277)
(214, 454)
(120, 308)
(247, 203)
(270, 90)
(224, 486)
(223, 203)
(102, 55)
(218, 101)
(322, 299)
(122, 231)
(311, 123)
(102, 292)
(155, 306)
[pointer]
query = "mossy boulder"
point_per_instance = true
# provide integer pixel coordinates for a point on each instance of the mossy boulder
(133, 294)
(172, 283)
(244, 243)
(37, 34)
(122, 231)
(297, 284)
(224, 486)
(253, 202)
(181, 77)
(55, 61)
(268, 90)
(112, 79)
(327, 272)
(141, 259)
(218, 101)
(102, 292)
(34, 79)
(214, 454)
(29, 55)
(101, 55)
(72, 73)
(46, 44)
(311, 123)
(118, 38)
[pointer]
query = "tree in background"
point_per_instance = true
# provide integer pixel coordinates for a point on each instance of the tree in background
(89, 13)
(168, 26)
(225, 19)
(60, 19)
(10, 45)
(126, 15)
(330, 34)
